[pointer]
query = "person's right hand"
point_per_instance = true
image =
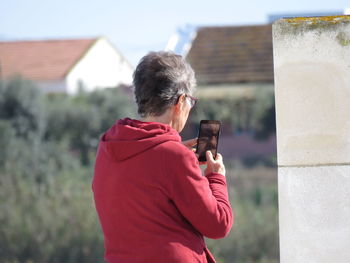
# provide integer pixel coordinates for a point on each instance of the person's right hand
(214, 166)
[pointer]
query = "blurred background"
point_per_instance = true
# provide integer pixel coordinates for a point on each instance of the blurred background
(65, 77)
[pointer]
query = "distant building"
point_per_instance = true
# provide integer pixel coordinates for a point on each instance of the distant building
(66, 65)
(232, 54)
(228, 60)
(231, 61)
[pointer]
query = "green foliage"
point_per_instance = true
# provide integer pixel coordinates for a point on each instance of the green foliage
(254, 236)
(255, 114)
(47, 144)
(81, 119)
(256, 160)
(50, 221)
(22, 104)
(212, 110)
(265, 116)
(45, 193)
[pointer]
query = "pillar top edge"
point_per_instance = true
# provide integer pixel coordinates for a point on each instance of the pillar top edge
(315, 20)
(300, 25)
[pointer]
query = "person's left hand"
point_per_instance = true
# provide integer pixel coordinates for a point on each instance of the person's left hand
(190, 143)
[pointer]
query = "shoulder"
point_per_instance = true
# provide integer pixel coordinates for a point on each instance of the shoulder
(177, 152)
(175, 148)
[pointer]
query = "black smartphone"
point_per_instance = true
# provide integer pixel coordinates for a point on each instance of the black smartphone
(208, 138)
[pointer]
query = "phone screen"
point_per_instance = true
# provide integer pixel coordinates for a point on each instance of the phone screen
(208, 138)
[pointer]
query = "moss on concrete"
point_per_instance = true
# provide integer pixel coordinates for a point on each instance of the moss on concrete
(318, 19)
(300, 25)
(343, 39)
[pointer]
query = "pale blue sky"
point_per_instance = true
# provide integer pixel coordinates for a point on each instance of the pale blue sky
(136, 27)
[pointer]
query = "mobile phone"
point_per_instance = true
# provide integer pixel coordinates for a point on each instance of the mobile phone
(208, 138)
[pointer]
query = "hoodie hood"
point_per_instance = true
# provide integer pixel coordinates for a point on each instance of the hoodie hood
(127, 138)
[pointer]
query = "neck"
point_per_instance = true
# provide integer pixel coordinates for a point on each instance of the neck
(164, 118)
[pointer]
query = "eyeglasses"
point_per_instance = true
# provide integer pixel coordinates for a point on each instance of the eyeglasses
(192, 100)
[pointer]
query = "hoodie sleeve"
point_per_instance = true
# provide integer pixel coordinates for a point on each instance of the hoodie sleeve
(202, 200)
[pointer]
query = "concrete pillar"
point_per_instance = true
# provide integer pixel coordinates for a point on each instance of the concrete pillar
(312, 89)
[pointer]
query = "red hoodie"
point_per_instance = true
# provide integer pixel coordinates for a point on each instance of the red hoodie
(153, 203)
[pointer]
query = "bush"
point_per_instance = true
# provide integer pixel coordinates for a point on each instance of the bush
(50, 221)
(255, 115)
(22, 104)
(47, 212)
(83, 118)
(254, 236)
(45, 193)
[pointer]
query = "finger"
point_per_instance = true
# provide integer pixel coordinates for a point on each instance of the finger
(190, 143)
(194, 150)
(209, 156)
(218, 157)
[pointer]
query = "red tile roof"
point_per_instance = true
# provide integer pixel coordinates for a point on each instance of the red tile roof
(41, 60)
(232, 54)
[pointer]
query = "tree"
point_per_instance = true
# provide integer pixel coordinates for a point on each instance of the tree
(21, 103)
(81, 119)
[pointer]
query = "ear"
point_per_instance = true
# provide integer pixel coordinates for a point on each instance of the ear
(180, 102)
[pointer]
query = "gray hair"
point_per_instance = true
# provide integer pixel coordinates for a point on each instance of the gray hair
(159, 79)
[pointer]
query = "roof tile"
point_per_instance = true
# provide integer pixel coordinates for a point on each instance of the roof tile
(231, 54)
(44, 60)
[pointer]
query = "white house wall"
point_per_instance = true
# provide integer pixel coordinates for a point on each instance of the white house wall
(102, 66)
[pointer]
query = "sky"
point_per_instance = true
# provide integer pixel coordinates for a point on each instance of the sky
(137, 27)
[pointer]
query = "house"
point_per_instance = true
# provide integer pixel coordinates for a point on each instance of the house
(65, 65)
(232, 54)
(226, 57)
(232, 62)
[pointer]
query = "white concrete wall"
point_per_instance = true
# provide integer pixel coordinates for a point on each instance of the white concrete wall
(312, 91)
(101, 67)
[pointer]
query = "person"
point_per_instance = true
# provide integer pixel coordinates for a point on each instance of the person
(153, 203)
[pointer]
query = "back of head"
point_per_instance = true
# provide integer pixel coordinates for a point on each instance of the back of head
(159, 79)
